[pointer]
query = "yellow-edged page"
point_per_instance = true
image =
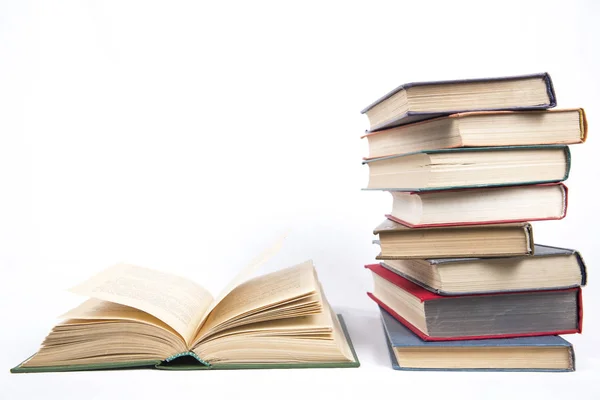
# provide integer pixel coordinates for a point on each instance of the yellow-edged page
(99, 331)
(94, 309)
(280, 287)
(317, 337)
(178, 302)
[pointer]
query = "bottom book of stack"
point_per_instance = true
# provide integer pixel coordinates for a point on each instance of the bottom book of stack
(541, 353)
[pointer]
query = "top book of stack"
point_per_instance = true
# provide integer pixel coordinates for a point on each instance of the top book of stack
(425, 100)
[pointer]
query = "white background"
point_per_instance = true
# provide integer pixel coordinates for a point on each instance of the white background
(186, 136)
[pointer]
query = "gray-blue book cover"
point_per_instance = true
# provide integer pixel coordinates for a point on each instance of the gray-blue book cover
(537, 354)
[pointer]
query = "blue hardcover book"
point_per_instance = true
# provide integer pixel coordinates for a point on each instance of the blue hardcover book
(539, 354)
(418, 101)
(470, 167)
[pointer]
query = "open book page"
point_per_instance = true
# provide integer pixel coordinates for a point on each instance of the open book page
(246, 273)
(99, 331)
(254, 265)
(178, 302)
(262, 292)
(309, 325)
(315, 338)
(94, 309)
(338, 333)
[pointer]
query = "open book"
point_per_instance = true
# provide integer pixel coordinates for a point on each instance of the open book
(139, 317)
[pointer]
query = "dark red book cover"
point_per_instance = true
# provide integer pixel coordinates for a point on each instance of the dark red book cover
(425, 295)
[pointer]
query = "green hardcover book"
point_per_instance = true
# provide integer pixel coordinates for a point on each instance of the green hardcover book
(191, 361)
(471, 167)
(141, 318)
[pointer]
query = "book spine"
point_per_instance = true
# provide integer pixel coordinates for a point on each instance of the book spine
(583, 126)
(580, 311)
(572, 355)
(550, 90)
(582, 268)
(565, 190)
(187, 353)
(568, 166)
(527, 228)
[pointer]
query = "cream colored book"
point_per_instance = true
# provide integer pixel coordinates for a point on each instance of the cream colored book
(470, 167)
(494, 240)
(481, 129)
(138, 317)
(547, 268)
(479, 206)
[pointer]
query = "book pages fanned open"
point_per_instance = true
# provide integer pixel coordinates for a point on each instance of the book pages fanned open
(138, 317)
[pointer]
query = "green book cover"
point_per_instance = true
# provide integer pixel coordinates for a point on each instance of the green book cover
(394, 166)
(137, 317)
(190, 361)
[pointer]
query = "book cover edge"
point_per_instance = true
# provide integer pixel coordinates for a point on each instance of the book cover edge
(428, 338)
(396, 365)
(465, 223)
(467, 114)
(156, 364)
(473, 149)
(444, 293)
(425, 295)
(544, 75)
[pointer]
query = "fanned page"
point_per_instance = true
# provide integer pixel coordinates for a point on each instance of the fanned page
(279, 318)
(98, 332)
(245, 273)
(296, 286)
(178, 302)
(94, 309)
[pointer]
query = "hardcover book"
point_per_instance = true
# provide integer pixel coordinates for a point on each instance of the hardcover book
(470, 168)
(539, 353)
(413, 102)
(137, 317)
(481, 129)
(478, 316)
(479, 206)
(398, 241)
(549, 268)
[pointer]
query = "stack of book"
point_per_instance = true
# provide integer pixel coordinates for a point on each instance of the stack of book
(461, 284)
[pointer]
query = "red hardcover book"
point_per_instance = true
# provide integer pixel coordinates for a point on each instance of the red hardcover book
(481, 206)
(434, 317)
